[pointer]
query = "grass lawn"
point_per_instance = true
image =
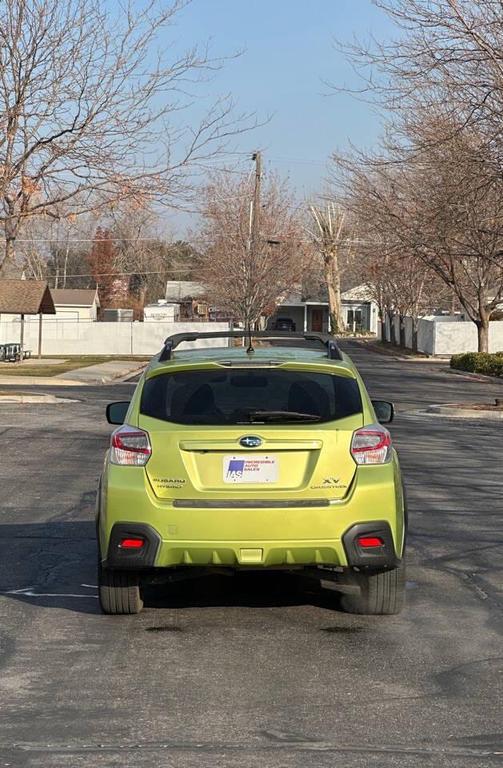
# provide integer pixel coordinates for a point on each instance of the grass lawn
(66, 364)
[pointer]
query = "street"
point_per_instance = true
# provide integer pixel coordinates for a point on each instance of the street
(256, 670)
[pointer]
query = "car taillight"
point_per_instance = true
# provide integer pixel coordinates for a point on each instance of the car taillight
(371, 445)
(130, 446)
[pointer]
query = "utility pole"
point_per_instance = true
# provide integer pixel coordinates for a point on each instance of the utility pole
(254, 236)
(255, 229)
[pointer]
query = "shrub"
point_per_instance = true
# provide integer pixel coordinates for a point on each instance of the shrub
(479, 362)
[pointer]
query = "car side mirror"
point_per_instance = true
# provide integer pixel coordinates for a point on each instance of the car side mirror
(116, 412)
(384, 411)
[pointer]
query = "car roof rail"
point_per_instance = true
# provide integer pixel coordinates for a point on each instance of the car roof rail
(172, 342)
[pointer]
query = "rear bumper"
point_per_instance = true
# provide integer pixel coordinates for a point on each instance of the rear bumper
(157, 553)
(265, 536)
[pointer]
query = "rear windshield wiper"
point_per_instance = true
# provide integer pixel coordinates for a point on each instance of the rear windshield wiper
(281, 416)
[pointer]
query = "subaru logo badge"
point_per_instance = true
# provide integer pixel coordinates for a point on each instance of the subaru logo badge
(250, 441)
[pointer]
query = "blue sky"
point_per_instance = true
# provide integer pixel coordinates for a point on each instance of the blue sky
(288, 53)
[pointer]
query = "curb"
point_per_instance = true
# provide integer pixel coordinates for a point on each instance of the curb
(47, 399)
(464, 413)
(55, 381)
(474, 376)
(37, 381)
(106, 379)
(395, 355)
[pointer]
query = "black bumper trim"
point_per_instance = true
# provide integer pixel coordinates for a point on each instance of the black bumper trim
(379, 557)
(132, 559)
(249, 504)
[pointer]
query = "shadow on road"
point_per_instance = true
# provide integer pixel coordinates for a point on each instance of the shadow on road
(50, 564)
(53, 565)
(248, 589)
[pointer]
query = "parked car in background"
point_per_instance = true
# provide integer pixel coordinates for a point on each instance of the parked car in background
(284, 324)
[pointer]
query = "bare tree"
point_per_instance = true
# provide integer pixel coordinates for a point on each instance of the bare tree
(90, 109)
(446, 53)
(436, 184)
(244, 280)
(444, 207)
(400, 282)
(326, 232)
(143, 254)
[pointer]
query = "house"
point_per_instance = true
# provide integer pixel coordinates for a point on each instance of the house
(360, 311)
(76, 304)
(190, 297)
(310, 312)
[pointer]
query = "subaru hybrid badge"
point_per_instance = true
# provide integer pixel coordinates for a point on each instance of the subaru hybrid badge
(250, 441)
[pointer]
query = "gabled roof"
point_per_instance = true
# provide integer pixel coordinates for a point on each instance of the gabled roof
(358, 293)
(74, 297)
(25, 297)
(178, 290)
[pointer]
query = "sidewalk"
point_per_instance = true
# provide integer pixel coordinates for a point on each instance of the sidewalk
(103, 373)
(396, 353)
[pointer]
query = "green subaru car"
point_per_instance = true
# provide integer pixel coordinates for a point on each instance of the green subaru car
(264, 455)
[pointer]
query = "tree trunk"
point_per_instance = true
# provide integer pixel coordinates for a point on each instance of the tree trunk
(9, 255)
(392, 335)
(65, 265)
(483, 335)
(382, 321)
(402, 330)
(333, 281)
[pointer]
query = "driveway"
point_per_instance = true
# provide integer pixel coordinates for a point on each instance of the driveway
(253, 671)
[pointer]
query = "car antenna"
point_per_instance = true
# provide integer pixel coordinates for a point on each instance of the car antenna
(250, 349)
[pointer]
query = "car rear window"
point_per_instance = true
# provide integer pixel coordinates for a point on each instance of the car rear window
(249, 397)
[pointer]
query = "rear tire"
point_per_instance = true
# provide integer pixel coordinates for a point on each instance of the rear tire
(119, 592)
(381, 592)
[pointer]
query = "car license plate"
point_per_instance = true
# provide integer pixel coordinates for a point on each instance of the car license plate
(250, 469)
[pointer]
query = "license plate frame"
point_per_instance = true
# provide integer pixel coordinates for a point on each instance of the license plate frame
(252, 469)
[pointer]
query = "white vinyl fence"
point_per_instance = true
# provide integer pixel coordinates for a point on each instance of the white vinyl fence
(445, 336)
(75, 338)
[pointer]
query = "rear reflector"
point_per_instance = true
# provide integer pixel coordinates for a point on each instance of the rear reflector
(132, 543)
(369, 542)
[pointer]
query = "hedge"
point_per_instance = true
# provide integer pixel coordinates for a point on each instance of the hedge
(479, 362)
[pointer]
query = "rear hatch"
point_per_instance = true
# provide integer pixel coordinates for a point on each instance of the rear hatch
(262, 435)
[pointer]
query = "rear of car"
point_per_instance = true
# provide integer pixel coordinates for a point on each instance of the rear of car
(284, 324)
(274, 462)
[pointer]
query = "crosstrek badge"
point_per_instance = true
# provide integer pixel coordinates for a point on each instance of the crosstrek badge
(250, 469)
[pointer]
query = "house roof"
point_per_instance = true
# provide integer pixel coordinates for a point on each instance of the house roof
(74, 297)
(177, 290)
(358, 293)
(25, 297)
(320, 296)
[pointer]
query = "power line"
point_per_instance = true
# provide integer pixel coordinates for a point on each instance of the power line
(127, 274)
(299, 160)
(94, 240)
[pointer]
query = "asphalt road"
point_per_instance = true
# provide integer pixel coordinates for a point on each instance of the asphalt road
(253, 671)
